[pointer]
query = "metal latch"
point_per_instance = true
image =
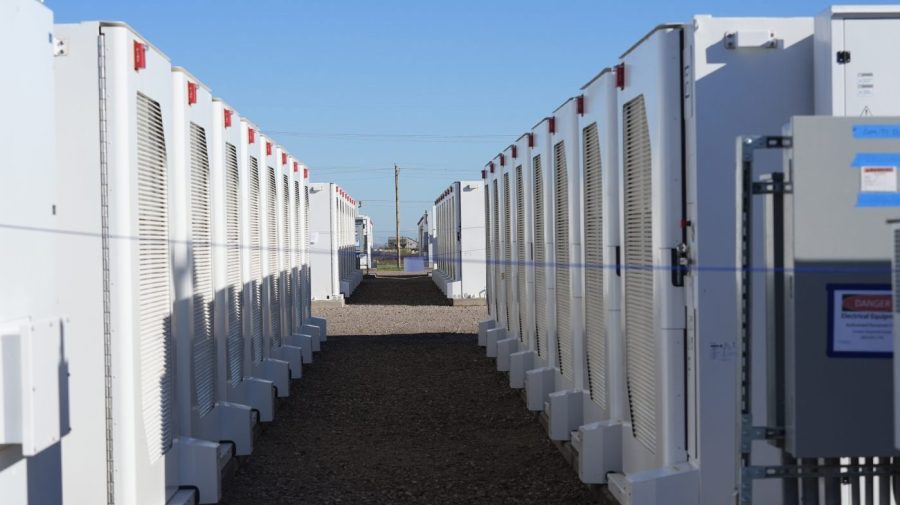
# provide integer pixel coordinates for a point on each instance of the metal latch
(843, 57)
(681, 264)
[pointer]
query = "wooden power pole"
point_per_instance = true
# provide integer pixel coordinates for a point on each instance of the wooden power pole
(397, 210)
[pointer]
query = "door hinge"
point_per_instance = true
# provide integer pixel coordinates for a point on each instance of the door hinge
(843, 57)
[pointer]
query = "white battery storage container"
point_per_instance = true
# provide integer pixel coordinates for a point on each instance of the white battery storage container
(315, 326)
(33, 386)
(460, 235)
(332, 245)
(522, 202)
(565, 406)
(261, 364)
(540, 381)
(507, 234)
(598, 440)
(275, 212)
(494, 188)
(675, 87)
(228, 175)
(202, 414)
(118, 180)
(492, 322)
(298, 334)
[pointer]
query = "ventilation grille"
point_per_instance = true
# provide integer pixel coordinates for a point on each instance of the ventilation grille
(520, 247)
(563, 263)
(307, 306)
(154, 305)
(639, 347)
(489, 263)
(234, 344)
(495, 245)
(287, 250)
(201, 270)
(540, 282)
(256, 335)
(298, 251)
(595, 317)
(507, 249)
(272, 250)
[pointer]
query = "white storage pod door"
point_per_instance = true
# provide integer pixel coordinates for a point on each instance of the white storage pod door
(649, 108)
(508, 229)
(234, 345)
(272, 308)
(254, 249)
(542, 193)
(488, 252)
(521, 256)
(595, 269)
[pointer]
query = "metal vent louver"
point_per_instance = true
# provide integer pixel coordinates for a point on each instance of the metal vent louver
(520, 247)
(495, 245)
(272, 250)
(489, 260)
(256, 275)
(154, 282)
(298, 249)
(307, 306)
(540, 258)
(234, 343)
(640, 350)
(287, 250)
(595, 316)
(203, 349)
(562, 270)
(507, 249)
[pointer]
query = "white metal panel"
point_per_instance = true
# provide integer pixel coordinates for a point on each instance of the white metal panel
(255, 253)
(234, 288)
(562, 260)
(540, 257)
(595, 269)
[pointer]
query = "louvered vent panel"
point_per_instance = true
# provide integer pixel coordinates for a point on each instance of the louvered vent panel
(540, 258)
(272, 254)
(298, 251)
(201, 270)
(154, 279)
(234, 343)
(563, 262)
(595, 317)
(489, 260)
(639, 346)
(256, 275)
(507, 249)
(497, 252)
(287, 250)
(307, 306)
(520, 248)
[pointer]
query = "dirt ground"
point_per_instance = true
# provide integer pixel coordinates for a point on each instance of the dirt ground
(402, 407)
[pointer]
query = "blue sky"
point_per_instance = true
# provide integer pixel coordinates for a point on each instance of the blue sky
(354, 86)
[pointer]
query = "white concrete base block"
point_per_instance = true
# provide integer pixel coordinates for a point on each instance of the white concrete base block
(259, 394)
(293, 356)
(494, 335)
(519, 363)
(565, 413)
(672, 484)
(232, 422)
(505, 347)
(200, 465)
(483, 328)
(539, 383)
(305, 342)
(279, 373)
(322, 324)
(599, 447)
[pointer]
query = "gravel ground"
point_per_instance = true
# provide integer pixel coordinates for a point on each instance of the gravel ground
(401, 406)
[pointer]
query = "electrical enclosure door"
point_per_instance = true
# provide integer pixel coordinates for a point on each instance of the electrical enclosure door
(653, 311)
(871, 80)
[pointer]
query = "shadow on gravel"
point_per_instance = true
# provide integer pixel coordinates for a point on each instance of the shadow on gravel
(397, 289)
(404, 419)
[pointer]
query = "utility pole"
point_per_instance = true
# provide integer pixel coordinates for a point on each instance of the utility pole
(397, 210)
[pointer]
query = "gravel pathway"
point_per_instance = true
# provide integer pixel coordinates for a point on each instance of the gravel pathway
(402, 407)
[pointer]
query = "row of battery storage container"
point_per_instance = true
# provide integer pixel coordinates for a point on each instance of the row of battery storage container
(171, 220)
(365, 236)
(612, 246)
(427, 237)
(332, 246)
(459, 246)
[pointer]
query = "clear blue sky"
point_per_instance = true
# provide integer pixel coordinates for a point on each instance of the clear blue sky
(437, 87)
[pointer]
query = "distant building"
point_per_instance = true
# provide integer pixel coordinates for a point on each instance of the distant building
(405, 243)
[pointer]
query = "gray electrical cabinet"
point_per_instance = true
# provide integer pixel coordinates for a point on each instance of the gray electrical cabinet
(829, 286)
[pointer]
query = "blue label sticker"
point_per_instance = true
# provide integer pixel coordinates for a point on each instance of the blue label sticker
(878, 200)
(876, 131)
(876, 159)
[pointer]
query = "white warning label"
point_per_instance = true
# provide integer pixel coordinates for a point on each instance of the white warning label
(881, 179)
